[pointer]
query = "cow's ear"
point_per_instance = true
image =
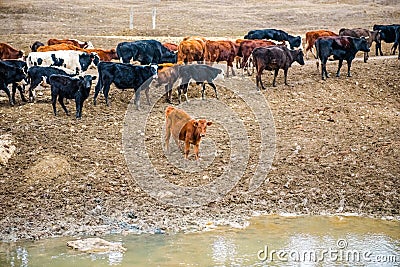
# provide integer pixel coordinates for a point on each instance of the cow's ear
(209, 123)
(195, 123)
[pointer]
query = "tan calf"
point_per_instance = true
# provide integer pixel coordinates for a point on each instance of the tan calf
(182, 127)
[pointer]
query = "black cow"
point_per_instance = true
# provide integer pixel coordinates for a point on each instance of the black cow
(273, 34)
(342, 48)
(389, 34)
(371, 36)
(40, 75)
(10, 74)
(146, 52)
(70, 88)
(36, 45)
(200, 74)
(275, 58)
(21, 84)
(125, 76)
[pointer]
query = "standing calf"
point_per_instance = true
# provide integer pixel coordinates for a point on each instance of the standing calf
(275, 58)
(182, 127)
(70, 88)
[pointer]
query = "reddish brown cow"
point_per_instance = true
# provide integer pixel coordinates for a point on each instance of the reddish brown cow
(70, 41)
(167, 75)
(104, 55)
(216, 51)
(247, 47)
(191, 49)
(8, 52)
(371, 36)
(182, 127)
(172, 47)
(312, 36)
(57, 47)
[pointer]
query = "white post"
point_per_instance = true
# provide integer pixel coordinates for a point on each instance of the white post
(131, 19)
(154, 17)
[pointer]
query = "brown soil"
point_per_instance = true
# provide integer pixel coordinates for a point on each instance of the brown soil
(337, 141)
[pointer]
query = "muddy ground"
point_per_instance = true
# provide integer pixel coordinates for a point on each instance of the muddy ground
(337, 141)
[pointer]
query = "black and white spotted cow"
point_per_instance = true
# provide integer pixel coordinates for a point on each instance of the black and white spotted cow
(76, 61)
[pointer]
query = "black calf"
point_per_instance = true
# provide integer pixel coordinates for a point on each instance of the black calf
(70, 88)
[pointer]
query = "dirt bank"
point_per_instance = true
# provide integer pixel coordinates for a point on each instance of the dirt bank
(337, 141)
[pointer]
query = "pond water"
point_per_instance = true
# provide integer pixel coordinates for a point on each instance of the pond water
(267, 241)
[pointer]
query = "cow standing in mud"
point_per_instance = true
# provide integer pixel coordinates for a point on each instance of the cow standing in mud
(275, 58)
(342, 48)
(182, 127)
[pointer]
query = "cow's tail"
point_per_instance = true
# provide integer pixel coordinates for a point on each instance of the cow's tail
(168, 111)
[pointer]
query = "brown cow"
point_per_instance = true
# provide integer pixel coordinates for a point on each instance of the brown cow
(57, 47)
(191, 49)
(371, 36)
(216, 51)
(312, 36)
(182, 127)
(104, 55)
(8, 52)
(275, 58)
(246, 48)
(168, 76)
(170, 46)
(70, 41)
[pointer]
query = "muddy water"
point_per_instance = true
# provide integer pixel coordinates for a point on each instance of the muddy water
(267, 241)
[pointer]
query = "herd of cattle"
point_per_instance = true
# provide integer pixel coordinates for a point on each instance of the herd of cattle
(61, 64)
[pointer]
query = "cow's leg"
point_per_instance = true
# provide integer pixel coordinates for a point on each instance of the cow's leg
(365, 57)
(78, 105)
(285, 72)
(53, 102)
(196, 151)
(339, 67)
(348, 68)
(97, 90)
(168, 93)
(180, 87)
(233, 71)
(5, 89)
(21, 89)
(32, 92)
(61, 101)
(106, 90)
(185, 91)
(187, 149)
(168, 124)
(203, 90)
(275, 74)
(378, 47)
(324, 73)
(259, 81)
(215, 89)
(13, 91)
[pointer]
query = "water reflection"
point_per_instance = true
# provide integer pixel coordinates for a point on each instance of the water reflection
(301, 241)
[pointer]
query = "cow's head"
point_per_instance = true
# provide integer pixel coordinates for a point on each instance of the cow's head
(299, 57)
(361, 44)
(85, 82)
(295, 42)
(153, 70)
(201, 126)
